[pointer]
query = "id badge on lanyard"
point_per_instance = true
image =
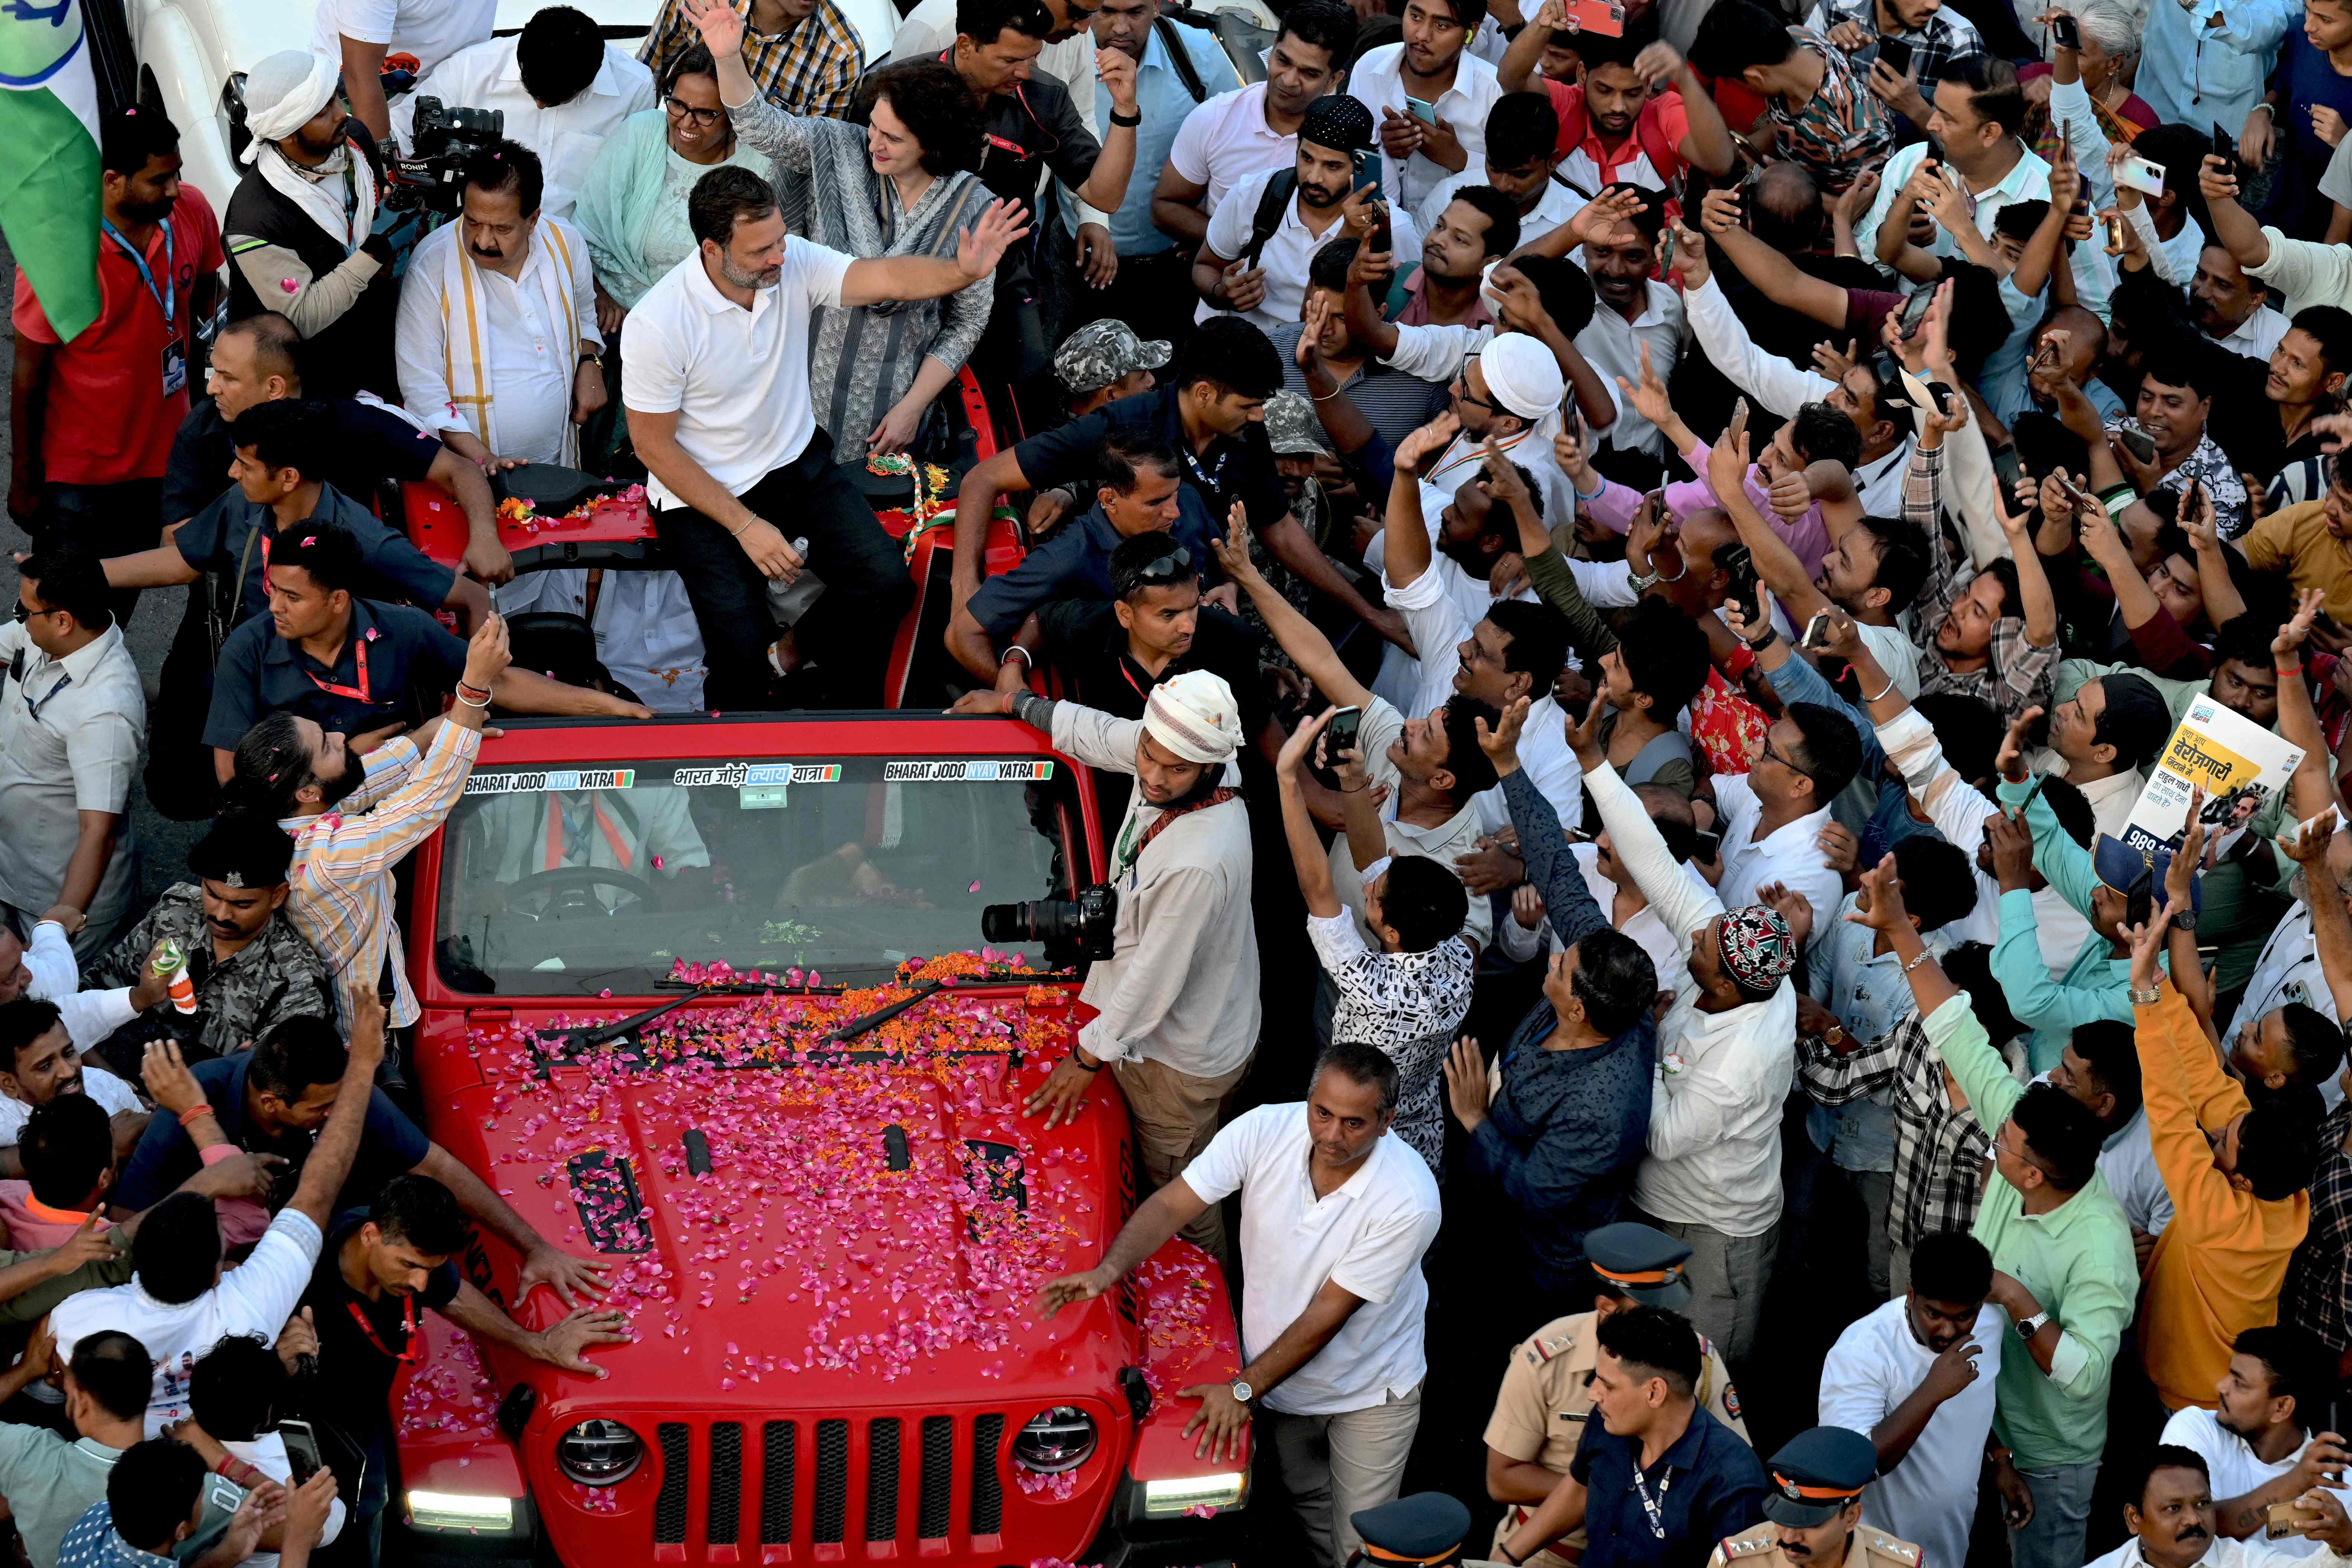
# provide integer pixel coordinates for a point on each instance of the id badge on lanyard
(167, 299)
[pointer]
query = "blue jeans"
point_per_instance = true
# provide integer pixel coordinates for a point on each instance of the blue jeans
(2052, 1538)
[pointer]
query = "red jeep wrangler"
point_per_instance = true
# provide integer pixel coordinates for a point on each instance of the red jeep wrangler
(722, 1057)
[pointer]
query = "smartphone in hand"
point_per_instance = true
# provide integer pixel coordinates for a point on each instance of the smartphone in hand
(1896, 54)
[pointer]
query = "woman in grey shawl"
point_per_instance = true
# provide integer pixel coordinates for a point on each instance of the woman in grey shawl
(883, 186)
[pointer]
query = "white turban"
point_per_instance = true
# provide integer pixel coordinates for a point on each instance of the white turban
(1521, 375)
(283, 92)
(1194, 715)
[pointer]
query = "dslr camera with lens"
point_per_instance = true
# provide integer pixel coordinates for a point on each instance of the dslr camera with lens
(1068, 928)
(432, 177)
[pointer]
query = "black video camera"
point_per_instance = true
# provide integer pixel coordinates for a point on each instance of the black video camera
(1077, 927)
(440, 141)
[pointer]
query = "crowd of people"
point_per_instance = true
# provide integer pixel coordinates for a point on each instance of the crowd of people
(1620, 570)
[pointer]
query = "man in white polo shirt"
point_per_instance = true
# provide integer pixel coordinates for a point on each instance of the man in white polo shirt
(1335, 1218)
(1237, 133)
(715, 384)
(1431, 95)
(2263, 1443)
(1257, 266)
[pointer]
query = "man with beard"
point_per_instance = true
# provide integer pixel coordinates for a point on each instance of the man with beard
(498, 342)
(1640, 116)
(1429, 65)
(2266, 403)
(300, 226)
(93, 411)
(2172, 1521)
(1638, 322)
(1476, 226)
(292, 772)
(1814, 1512)
(1255, 258)
(2263, 1443)
(717, 387)
(1915, 1379)
(1237, 133)
(39, 1061)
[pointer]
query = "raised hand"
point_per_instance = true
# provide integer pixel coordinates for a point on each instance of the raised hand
(2146, 942)
(721, 28)
(1607, 213)
(1880, 907)
(1503, 481)
(1584, 738)
(1233, 551)
(1426, 443)
(1293, 755)
(1648, 399)
(2009, 760)
(2297, 630)
(2180, 876)
(1718, 210)
(984, 243)
(1466, 1083)
(2214, 181)
(1501, 744)
(2306, 843)
(1727, 463)
(1855, 204)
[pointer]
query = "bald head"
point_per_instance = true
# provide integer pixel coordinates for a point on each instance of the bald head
(2086, 340)
(1786, 194)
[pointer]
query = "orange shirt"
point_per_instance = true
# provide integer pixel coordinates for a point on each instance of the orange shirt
(2219, 1267)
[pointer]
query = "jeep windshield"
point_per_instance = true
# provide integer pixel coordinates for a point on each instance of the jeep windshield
(575, 881)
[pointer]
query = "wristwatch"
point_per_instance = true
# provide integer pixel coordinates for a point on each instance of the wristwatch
(1242, 1391)
(2185, 919)
(2027, 1328)
(593, 357)
(2146, 998)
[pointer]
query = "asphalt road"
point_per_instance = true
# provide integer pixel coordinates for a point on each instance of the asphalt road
(162, 845)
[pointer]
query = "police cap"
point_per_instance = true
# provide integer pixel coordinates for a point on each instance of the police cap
(1425, 1528)
(1640, 1261)
(1816, 1473)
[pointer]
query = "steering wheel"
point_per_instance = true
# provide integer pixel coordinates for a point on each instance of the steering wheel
(565, 890)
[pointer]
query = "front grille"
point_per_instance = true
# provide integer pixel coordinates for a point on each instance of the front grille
(669, 1508)
(832, 1482)
(726, 1481)
(987, 1488)
(939, 1477)
(776, 1484)
(882, 1480)
(856, 1476)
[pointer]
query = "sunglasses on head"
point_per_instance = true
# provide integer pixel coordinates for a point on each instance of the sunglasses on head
(1176, 563)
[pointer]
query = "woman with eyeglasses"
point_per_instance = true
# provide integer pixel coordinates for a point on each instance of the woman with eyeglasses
(632, 208)
(882, 183)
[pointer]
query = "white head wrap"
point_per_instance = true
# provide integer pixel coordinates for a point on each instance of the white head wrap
(1521, 375)
(1194, 715)
(283, 92)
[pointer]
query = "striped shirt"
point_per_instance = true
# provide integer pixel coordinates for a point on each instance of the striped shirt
(1396, 404)
(342, 875)
(811, 70)
(1842, 129)
(2018, 674)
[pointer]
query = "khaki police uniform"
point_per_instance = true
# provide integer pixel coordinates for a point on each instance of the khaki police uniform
(1547, 1393)
(1865, 1548)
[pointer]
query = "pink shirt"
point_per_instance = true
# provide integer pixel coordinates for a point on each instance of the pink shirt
(1614, 507)
(34, 1226)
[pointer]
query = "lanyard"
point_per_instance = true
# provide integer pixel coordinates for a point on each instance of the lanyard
(1656, 1509)
(167, 297)
(360, 653)
(33, 707)
(1209, 479)
(408, 1350)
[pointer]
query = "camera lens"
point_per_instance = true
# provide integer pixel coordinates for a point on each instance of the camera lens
(1005, 923)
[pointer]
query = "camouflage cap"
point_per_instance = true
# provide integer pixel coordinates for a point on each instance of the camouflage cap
(1291, 427)
(1099, 352)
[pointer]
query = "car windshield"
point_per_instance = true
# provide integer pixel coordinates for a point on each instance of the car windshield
(570, 883)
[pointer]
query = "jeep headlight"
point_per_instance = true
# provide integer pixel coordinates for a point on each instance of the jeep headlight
(1055, 1440)
(1163, 1498)
(599, 1453)
(461, 1511)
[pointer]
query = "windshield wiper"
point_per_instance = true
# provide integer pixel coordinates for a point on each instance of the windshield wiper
(881, 1016)
(752, 989)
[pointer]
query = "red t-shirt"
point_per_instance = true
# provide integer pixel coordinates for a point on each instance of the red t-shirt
(108, 418)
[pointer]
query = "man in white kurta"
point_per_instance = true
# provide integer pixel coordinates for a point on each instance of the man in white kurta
(497, 340)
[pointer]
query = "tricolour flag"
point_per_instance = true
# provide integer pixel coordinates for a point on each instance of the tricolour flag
(49, 180)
